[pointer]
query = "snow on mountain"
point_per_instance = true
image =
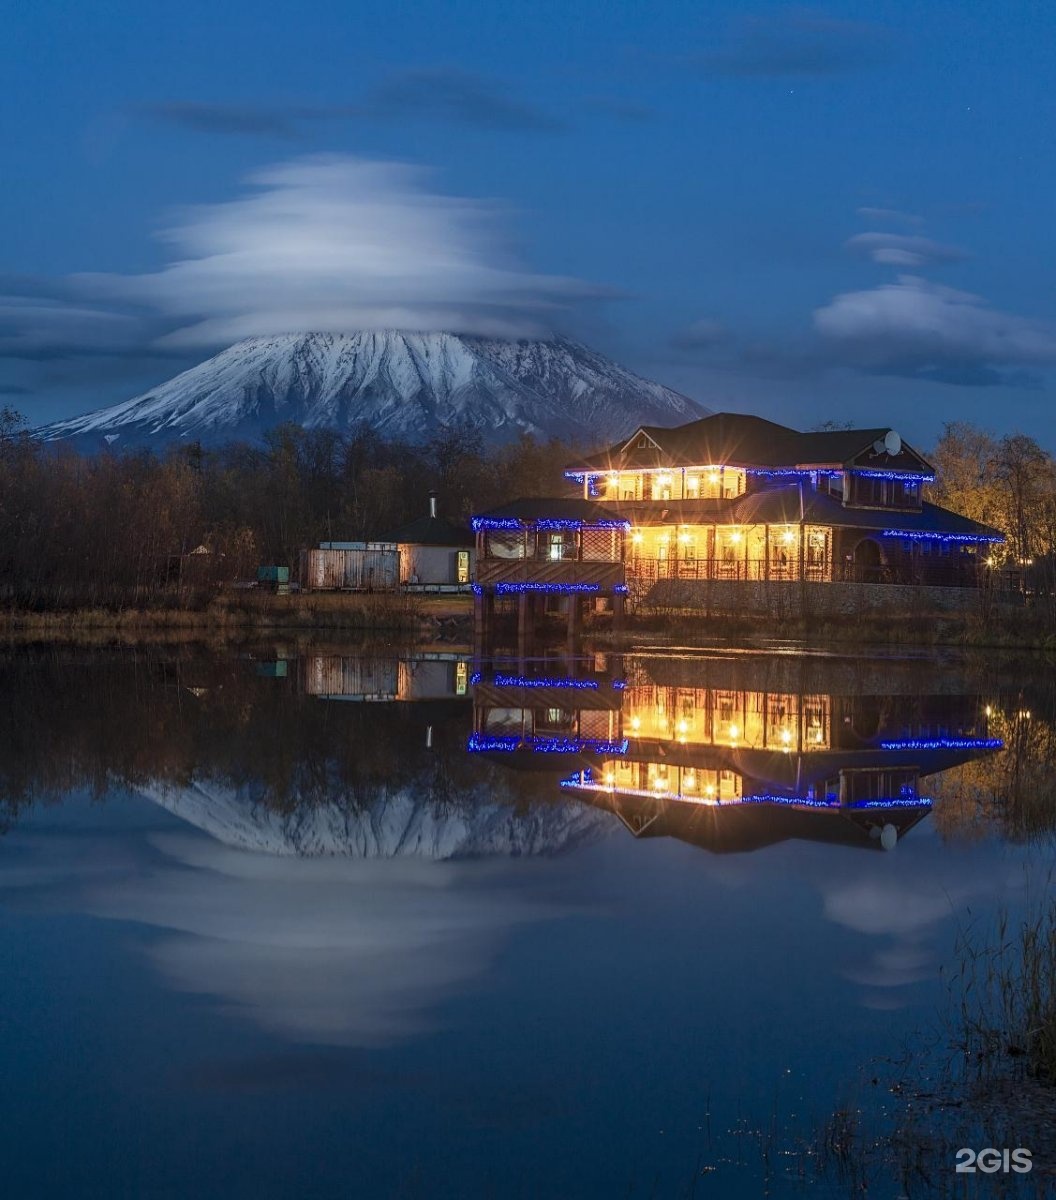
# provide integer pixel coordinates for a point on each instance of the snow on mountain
(396, 825)
(402, 385)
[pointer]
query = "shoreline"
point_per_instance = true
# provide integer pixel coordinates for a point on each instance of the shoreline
(448, 618)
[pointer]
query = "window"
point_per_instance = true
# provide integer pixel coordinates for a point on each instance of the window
(462, 567)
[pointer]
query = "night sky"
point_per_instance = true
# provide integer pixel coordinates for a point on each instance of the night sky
(809, 213)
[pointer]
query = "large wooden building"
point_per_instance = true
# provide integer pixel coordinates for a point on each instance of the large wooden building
(734, 497)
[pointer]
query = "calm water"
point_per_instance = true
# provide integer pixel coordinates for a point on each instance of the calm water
(314, 923)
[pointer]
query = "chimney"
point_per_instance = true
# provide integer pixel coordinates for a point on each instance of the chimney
(432, 505)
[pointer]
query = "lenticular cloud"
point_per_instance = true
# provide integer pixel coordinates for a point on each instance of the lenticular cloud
(332, 244)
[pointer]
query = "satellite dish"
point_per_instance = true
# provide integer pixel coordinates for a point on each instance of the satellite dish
(888, 837)
(893, 443)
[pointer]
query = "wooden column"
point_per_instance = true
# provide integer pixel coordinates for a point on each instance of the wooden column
(618, 605)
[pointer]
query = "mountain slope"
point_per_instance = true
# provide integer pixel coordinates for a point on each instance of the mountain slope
(402, 385)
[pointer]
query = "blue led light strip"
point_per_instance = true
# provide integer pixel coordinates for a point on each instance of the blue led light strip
(514, 524)
(901, 476)
(790, 472)
(945, 744)
(915, 535)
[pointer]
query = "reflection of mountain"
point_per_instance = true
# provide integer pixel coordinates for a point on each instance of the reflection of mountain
(397, 824)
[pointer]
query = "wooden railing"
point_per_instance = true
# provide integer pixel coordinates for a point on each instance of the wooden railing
(936, 572)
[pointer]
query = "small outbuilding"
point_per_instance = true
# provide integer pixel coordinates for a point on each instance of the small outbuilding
(435, 554)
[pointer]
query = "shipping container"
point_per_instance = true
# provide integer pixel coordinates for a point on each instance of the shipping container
(351, 566)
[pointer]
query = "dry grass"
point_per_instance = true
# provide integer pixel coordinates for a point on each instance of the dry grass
(226, 614)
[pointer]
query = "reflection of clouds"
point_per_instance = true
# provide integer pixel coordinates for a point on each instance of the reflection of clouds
(333, 950)
(910, 899)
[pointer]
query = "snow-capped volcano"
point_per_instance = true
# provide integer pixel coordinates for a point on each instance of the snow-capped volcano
(402, 385)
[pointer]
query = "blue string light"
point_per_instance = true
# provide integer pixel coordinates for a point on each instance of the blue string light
(945, 744)
(514, 524)
(565, 523)
(479, 523)
(901, 476)
(920, 535)
(790, 472)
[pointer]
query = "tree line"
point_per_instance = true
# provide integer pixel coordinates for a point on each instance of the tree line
(124, 528)
(1007, 482)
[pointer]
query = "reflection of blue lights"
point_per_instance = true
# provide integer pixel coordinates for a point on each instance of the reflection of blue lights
(489, 743)
(528, 681)
(619, 684)
(945, 744)
(556, 745)
(585, 779)
(922, 535)
(568, 589)
(483, 743)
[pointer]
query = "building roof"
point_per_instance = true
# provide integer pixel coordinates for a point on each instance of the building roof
(531, 510)
(792, 504)
(737, 439)
(430, 531)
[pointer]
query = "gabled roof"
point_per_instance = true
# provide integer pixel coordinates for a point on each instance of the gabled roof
(737, 439)
(430, 531)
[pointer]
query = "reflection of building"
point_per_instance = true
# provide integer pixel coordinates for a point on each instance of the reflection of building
(733, 499)
(425, 676)
(678, 737)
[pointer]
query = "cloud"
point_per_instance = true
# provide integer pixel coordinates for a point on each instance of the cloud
(334, 243)
(325, 950)
(446, 93)
(39, 328)
(201, 117)
(901, 250)
(923, 330)
(891, 215)
(433, 94)
(800, 44)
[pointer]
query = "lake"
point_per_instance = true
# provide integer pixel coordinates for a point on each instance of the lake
(317, 921)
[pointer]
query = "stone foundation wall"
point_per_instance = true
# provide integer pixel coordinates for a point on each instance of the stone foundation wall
(779, 597)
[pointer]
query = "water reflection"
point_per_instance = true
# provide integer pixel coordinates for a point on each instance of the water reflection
(738, 753)
(365, 815)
